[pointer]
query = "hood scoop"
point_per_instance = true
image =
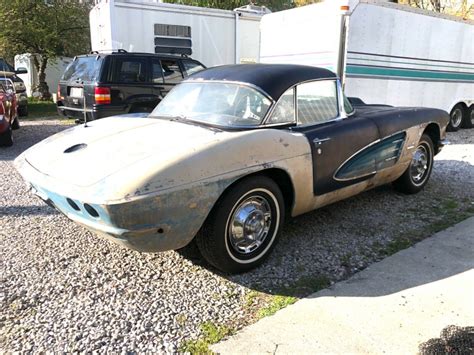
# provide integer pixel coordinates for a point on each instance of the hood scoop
(75, 148)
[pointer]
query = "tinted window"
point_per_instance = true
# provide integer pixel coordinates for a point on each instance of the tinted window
(316, 101)
(83, 68)
(171, 71)
(157, 72)
(130, 70)
(191, 66)
(284, 111)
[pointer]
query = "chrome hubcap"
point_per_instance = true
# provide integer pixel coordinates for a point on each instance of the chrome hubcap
(249, 224)
(419, 164)
(456, 117)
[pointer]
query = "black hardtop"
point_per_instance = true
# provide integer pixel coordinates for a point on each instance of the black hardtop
(274, 79)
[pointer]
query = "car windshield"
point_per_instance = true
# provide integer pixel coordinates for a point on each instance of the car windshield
(216, 103)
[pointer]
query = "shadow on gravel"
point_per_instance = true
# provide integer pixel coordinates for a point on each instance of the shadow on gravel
(28, 135)
(19, 211)
(297, 266)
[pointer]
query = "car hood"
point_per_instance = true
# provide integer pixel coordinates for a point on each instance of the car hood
(83, 156)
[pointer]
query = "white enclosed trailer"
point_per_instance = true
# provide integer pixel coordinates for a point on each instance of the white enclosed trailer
(384, 52)
(212, 36)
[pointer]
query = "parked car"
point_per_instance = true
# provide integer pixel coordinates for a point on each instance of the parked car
(20, 91)
(8, 112)
(226, 156)
(119, 82)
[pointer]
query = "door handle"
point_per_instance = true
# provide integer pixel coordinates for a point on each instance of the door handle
(319, 141)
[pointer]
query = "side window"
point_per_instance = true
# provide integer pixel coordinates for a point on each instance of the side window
(284, 111)
(171, 71)
(157, 71)
(130, 70)
(2, 90)
(191, 67)
(316, 102)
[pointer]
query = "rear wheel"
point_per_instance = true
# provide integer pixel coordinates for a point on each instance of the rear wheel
(457, 117)
(243, 227)
(23, 110)
(6, 138)
(418, 172)
(468, 121)
(16, 123)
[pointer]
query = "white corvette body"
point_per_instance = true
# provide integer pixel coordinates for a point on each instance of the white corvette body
(150, 183)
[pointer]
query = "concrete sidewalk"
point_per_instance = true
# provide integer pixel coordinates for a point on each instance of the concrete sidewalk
(391, 307)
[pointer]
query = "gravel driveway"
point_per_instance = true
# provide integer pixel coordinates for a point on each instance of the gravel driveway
(64, 289)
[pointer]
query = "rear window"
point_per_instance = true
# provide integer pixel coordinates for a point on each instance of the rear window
(83, 68)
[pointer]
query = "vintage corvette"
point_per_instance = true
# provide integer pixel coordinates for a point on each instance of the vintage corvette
(226, 156)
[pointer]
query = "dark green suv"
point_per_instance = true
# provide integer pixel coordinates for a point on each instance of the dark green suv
(99, 85)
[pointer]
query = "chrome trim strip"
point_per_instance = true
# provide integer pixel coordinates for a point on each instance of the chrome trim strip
(320, 141)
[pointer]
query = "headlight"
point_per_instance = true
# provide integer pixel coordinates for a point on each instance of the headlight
(1, 118)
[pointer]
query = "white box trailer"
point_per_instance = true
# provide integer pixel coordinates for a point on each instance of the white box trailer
(384, 52)
(212, 36)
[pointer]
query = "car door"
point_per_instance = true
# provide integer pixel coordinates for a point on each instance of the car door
(333, 137)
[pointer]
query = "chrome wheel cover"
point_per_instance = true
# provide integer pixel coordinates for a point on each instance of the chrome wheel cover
(249, 224)
(420, 164)
(456, 117)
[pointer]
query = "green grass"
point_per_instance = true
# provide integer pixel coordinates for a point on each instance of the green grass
(211, 334)
(276, 303)
(305, 285)
(449, 213)
(41, 109)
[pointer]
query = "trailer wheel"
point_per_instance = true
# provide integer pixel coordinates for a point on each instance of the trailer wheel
(468, 121)
(457, 117)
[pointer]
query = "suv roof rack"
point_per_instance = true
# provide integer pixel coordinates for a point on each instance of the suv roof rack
(120, 50)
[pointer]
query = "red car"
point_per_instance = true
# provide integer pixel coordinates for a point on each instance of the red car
(8, 112)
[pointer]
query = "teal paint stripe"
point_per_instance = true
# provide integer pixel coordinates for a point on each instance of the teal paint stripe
(412, 63)
(408, 73)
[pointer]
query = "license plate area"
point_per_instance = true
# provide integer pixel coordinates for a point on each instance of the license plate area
(76, 93)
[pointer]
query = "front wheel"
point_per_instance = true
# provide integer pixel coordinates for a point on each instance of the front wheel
(243, 227)
(418, 172)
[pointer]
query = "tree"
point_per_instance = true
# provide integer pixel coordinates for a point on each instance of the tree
(45, 28)
(274, 5)
(461, 8)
